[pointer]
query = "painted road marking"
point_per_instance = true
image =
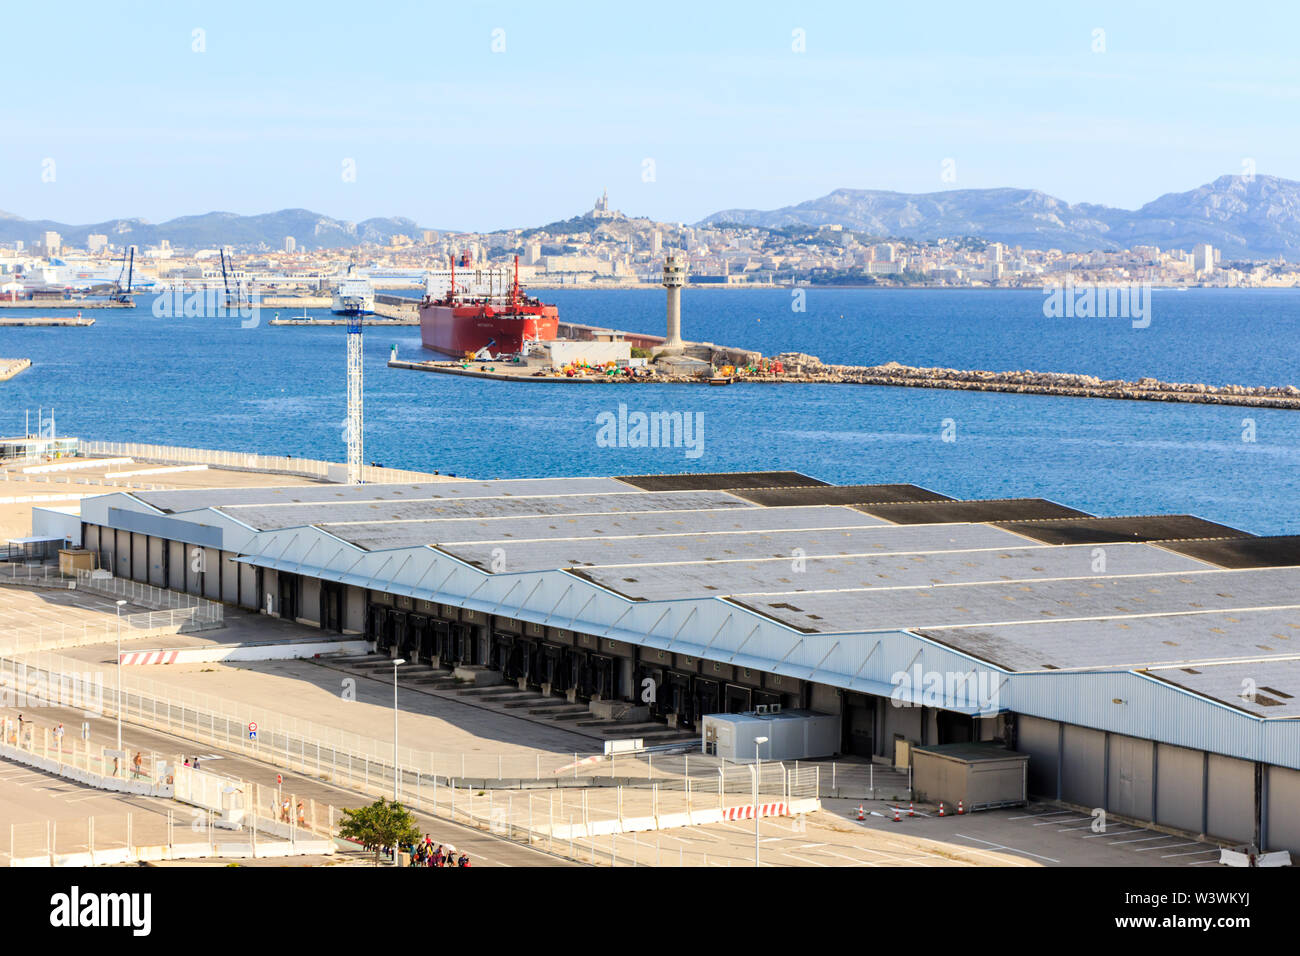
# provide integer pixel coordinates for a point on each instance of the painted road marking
(1052, 823)
(1163, 836)
(1188, 852)
(1009, 849)
(1035, 816)
(1093, 836)
(1167, 846)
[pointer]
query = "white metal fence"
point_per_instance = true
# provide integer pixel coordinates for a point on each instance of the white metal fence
(208, 613)
(567, 795)
(12, 572)
(44, 480)
(246, 461)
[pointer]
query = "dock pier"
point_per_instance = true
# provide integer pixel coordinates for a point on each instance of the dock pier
(44, 320)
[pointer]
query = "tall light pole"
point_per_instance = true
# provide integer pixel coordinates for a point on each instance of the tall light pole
(119, 676)
(397, 662)
(758, 765)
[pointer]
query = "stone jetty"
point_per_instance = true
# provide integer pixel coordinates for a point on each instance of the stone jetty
(11, 367)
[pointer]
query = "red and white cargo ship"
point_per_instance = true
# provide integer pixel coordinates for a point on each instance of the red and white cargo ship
(504, 323)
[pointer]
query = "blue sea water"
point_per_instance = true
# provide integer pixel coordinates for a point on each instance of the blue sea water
(211, 383)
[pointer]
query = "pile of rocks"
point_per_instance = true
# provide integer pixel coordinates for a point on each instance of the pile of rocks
(1063, 383)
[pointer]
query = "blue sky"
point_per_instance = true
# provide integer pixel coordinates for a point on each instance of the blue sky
(442, 129)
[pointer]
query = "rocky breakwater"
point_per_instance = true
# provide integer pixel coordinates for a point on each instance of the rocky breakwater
(11, 367)
(1051, 383)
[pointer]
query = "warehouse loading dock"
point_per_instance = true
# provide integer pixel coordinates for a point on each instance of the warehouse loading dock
(677, 601)
(979, 776)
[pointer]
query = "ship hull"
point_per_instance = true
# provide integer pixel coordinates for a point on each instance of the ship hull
(455, 330)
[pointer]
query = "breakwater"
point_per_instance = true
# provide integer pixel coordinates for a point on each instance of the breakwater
(11, 367)
(1053, 383)
(43, 320)
(791, 368)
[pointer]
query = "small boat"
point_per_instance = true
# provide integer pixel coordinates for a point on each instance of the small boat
(722, 379)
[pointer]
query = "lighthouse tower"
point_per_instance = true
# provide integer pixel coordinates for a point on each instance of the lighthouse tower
(674, 279)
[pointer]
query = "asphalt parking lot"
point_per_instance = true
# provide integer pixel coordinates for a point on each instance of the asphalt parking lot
(1040, 833)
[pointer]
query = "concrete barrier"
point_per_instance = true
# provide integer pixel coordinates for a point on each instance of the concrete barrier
(669, 821)
(144, 788)
(244, 652)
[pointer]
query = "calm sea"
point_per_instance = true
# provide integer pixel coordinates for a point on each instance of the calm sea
(211, 383)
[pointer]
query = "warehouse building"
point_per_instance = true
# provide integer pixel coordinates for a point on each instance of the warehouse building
(1148, 665)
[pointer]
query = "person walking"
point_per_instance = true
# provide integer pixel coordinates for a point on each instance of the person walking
(137, 765)
(58, 737)
(284, 811)
(302, 815)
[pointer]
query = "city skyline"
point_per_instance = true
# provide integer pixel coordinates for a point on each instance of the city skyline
(761, 111)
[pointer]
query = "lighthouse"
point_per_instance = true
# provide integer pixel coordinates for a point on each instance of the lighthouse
(674, 279)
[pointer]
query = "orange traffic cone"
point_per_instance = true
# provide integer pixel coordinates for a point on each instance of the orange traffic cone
(896, 817)
(861, 814)
(941, 808)
(911, 810)
(960, 810)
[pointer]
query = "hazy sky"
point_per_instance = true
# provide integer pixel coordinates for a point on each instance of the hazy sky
(442, 129)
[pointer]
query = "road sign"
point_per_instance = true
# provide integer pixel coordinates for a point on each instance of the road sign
(279, 779)
(252, 727)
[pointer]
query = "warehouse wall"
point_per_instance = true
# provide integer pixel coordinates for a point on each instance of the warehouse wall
(1083, 766)
(270, 596)
(1040, 739)
(229, 577)
(248, 596)
(212, 574)
(156, 548)
(1283, 810)
(176, 562)
(309, 602)
(140, 558)
(1179, 781)
(92, 538)
(1130, 787)
(1230, 799)
(905, 721)
(354, 609)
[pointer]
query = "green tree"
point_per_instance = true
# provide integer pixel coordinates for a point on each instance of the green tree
(379, 825)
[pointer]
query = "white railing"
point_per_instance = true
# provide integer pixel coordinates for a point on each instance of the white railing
(210, 614)
(44, 480)
(12, 572)
(260, 826)
(247, 461)
(647, 791)
(169, 454)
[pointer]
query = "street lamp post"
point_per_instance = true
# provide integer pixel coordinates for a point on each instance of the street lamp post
(119, 676)
(758, 765)
(397, 662)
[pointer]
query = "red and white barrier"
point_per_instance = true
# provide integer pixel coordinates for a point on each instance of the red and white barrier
(149, 657)
(746, 812)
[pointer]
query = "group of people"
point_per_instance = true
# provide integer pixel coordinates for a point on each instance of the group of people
(425, 853)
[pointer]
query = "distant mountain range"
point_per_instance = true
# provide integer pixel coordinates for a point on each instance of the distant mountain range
(310, 229)
(1259, 217)
(1256, 218)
